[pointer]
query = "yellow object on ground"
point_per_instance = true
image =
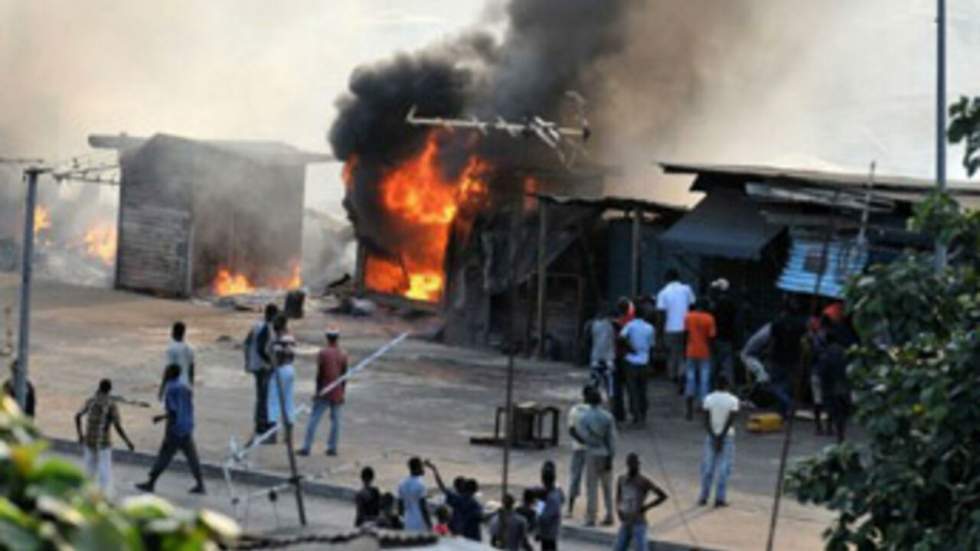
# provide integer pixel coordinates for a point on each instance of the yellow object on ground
(765, 422)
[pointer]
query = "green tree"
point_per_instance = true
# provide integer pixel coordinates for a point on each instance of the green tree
(914, 482)
(964, 116)
(47, 504)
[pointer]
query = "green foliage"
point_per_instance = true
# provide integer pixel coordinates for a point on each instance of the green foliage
(964, 126)
(914, 482)
(47, 504)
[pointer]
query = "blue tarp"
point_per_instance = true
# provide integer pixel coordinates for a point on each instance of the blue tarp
(844, 259)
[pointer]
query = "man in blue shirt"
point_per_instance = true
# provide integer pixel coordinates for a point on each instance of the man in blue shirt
(178, 401)
(467, 511)
(638, 336)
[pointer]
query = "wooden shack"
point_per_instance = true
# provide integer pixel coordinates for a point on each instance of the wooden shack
(190, 209)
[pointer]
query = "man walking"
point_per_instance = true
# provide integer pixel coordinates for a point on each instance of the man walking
(258, 362)
(412, 505)
(179, 353)
(331, 365)
(179, 434)
(638, 335)
(720, 408)
(97, 439)
(632, 490)
(577, 465)
(598, 431)
(673, 301)
(700, 327)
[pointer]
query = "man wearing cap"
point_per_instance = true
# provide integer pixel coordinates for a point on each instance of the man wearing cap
(331, 364)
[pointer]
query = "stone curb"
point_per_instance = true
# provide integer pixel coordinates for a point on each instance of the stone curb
(324, 490)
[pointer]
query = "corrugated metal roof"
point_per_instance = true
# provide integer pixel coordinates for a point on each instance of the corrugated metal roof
(724, 224)
(263, 150)
(844, 259)
(613, 202)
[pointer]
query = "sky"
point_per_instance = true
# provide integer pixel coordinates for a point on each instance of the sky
(272, 70)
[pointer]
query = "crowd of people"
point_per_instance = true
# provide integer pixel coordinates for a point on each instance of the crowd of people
(699, 339)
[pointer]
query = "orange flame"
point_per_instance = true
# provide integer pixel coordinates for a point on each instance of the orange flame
(42, 219)
(426, 202)
(100, 242)
(230, 282)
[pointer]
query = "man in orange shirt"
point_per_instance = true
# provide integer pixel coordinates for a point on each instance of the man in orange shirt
(331, 365)
(700, 327)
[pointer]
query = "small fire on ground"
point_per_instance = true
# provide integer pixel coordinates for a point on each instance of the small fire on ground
(426, 203)
(230, 282)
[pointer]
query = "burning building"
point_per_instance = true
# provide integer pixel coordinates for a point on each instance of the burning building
(223, 217)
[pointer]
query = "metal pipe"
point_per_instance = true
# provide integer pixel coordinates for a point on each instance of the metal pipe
(26, 273)
(940, 255)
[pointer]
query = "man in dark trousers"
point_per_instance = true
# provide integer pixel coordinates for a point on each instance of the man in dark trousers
(179, 435)
(258, 362)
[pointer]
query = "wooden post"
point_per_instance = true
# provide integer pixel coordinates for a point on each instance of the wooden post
(635, 254)
(542, 274)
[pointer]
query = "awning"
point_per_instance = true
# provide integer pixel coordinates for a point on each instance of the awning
(726, 224)
(844, 259)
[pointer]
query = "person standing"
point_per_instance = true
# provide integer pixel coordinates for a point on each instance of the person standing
(509, 529)
(258, 362)
(577, 465)
(720, 408)
(96, 441)
(632, 490)
(674, 301)
(549, 520)
(638, 335)
(412, 503)
(726, 313)
(367, 500)
(786, 348)
(597, 429)
(331, 365)
(281, 382)
(700, 327)
(832, 367)
(625, 314)
(602, 354)
(179, 434)
(467, 513)
(179, 353)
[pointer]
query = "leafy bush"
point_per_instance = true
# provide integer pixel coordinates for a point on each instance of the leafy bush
(914, 484)
(47, 503)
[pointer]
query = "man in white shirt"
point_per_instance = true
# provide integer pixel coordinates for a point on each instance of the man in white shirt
(639, 336)
(674, 301)
(602, 355)
(720, 408)
(411, 498)
(181, 354)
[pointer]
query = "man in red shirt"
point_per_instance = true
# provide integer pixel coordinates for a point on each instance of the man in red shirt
(331, 365)
(700, 327)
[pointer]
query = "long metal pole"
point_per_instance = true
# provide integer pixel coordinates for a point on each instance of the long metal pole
(940, 116)
(295, 479)
(542, 275)
(512, 350)
(26, 272)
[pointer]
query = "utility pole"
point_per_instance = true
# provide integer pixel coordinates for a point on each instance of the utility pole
(940, 254)
(26, 272)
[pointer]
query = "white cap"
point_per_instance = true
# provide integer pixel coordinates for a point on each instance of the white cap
(720, 284)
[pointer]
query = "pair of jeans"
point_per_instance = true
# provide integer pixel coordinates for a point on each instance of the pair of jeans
(596, 473)
(723, 354)
(716, 463)
(319, 407)
(618, 385)
(261, 414)
(98, 466)
(601, 377)
(636, 386)
(575, 471)
(635, 533)
(167, 451)
(698, 379)
(674, 341)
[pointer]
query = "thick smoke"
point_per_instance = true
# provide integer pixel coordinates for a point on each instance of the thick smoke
(548, 48)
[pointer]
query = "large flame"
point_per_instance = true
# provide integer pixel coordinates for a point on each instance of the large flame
(418, 193)
(42, 219)
(230, 282)
(100, 242)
